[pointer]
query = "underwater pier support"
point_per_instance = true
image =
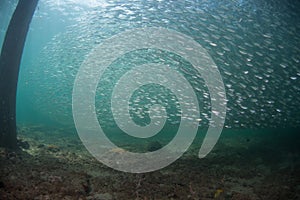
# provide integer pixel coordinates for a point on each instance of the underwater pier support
(10, 59)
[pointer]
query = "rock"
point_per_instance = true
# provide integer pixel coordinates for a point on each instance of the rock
(153, 146)
(40, 146)
(23, 144)
(1, 184)
(53, 148)
(100, 196)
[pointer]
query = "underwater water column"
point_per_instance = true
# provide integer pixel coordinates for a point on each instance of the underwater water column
(10, 59)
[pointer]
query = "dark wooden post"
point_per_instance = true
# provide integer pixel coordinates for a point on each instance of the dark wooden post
(11, 54)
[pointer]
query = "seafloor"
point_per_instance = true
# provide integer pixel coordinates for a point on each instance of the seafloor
(244, 165)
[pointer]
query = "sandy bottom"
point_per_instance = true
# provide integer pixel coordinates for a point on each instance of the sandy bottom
(54, 165)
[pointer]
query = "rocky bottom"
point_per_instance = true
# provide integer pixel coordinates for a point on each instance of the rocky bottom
(55, 165)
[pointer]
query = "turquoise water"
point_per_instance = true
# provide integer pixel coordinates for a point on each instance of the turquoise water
(254, 44)
(256, 48)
